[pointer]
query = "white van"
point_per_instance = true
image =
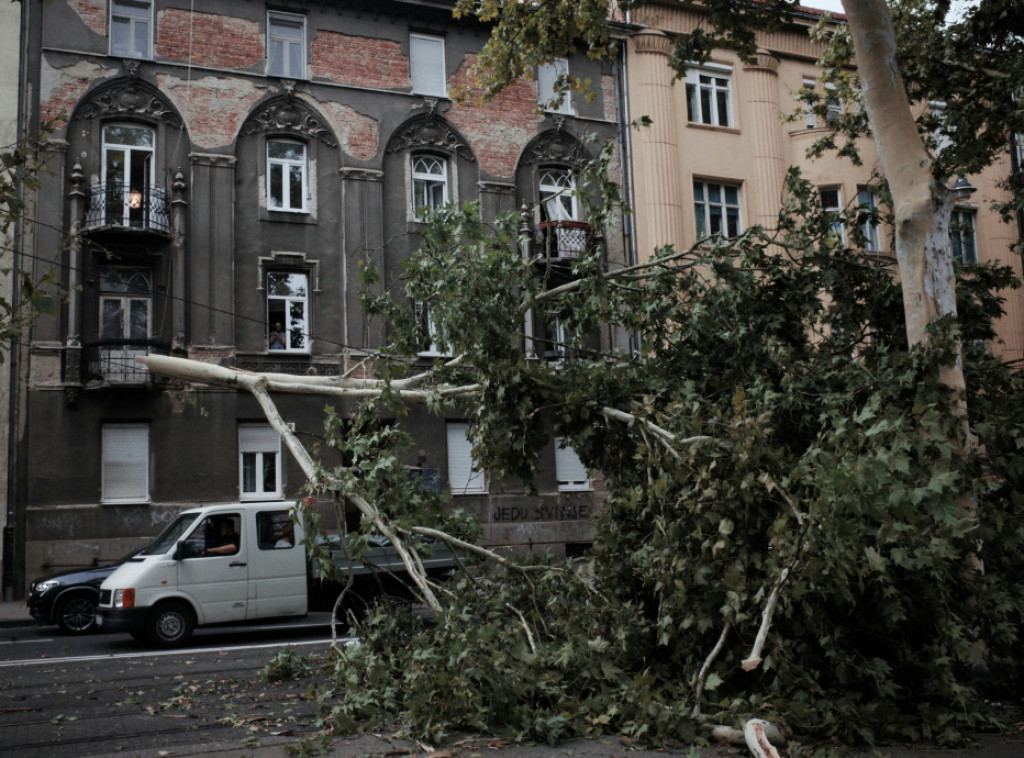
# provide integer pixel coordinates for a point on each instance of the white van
(237, 562)
(212, 565)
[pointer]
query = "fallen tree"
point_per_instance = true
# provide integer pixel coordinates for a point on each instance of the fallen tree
(783, 478)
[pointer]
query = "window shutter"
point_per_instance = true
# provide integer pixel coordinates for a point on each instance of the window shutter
(569, 469)
(125, 464)
(426, 65)
(462, 476)
(258, 439)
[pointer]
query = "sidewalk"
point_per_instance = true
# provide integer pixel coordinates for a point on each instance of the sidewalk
(15, 613)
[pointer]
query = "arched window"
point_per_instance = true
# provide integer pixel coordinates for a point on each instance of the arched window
(287, 176)
(429, 183)
(557, 189)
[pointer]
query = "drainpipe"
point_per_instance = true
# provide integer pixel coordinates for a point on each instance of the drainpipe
(10, 532)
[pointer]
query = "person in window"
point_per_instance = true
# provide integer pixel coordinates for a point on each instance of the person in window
(276, 339)
(225, 542)
(287, 536)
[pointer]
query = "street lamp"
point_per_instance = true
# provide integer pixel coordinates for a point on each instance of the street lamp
(962, 189)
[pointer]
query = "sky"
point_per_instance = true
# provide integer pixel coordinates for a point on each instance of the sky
(836, 6)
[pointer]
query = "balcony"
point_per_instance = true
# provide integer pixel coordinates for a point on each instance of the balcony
(116, 206)
(564, 239)
(112, 363)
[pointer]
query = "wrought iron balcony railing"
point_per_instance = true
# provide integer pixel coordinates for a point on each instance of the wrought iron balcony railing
(113, 361)
(115, 205)
(564, 239)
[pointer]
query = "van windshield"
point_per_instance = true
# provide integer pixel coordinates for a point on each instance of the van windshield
(170, 536)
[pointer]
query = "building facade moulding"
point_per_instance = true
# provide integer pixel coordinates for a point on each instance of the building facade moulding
(429, 130)
(653, 42)
(764, 61)
(286, 113)
(128, 97)
(555, 146)
(355, 173)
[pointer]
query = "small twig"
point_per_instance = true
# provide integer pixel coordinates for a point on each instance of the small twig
(526, 627)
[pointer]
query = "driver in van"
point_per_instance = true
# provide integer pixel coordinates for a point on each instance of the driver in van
(226, 542)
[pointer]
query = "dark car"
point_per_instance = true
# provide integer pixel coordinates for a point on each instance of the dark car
(69, 599)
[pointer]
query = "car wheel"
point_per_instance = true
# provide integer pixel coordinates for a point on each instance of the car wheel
(170, 624)
(76, 614)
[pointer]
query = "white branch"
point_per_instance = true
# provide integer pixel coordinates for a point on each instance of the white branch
(703, 675)
(754, 659)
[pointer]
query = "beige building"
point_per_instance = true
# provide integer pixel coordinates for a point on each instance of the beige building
(715, 157)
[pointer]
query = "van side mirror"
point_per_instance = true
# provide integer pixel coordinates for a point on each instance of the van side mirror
(179, 550)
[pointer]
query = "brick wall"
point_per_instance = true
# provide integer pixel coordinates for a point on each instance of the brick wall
(498, 130)
(360, 61)
(208, 39)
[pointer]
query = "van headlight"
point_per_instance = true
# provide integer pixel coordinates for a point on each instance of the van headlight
(124, 598)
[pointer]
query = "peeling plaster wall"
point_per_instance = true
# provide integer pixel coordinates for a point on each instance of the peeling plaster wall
(62, 87)
(359, 134)
(92, 12)
(212, 107)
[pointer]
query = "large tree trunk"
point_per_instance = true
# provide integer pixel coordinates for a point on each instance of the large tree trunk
(922, 205)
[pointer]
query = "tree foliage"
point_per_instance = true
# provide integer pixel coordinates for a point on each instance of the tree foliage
(784, 533)
(20, 167)
(773, 436)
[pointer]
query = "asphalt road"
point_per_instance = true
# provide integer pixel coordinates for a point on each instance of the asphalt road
(108, 695)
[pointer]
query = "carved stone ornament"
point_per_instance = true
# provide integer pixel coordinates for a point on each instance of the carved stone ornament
(288, 114)
(431, 131)
(555, 146)
(128, 96)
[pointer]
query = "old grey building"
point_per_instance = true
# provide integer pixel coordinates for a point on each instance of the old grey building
(220, 170)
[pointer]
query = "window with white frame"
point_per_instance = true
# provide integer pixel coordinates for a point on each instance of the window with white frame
(961, 236)
(558, 199)
(549, 77)
(259, 462)
(128, 152)
(569, 469)
(287, 176)
(464, 476)
(429, 183)
(717, 209)
(709, 96)
(125, 463)
(288, 310)
(832, 206)
(286, 45)
(131, 28)
(867, 219)
(832, 102)
(430, 342)
(426, 65)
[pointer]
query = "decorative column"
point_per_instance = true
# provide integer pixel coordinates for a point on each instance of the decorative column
(764, 194)
(363, 231)
(73, 343)
(179, 210)
(658, 181)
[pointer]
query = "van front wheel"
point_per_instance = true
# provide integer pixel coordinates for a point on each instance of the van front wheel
(170, 624)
